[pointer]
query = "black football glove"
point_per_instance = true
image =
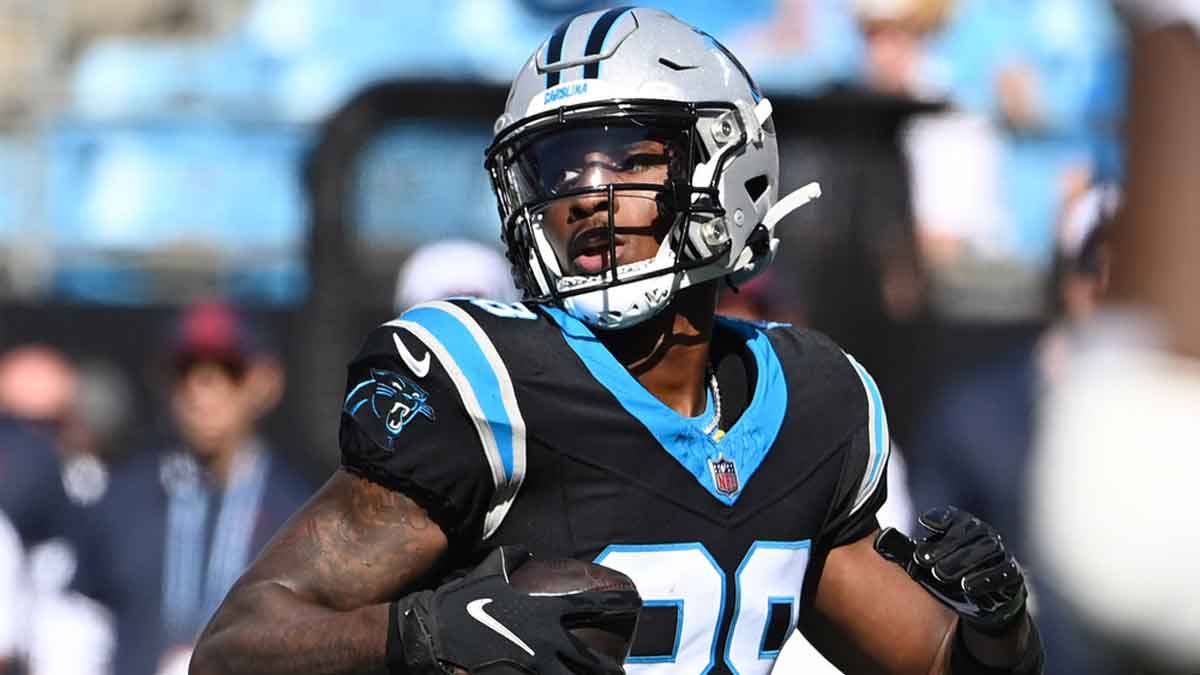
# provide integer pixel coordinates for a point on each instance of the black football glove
(481, 624)
(963, 563)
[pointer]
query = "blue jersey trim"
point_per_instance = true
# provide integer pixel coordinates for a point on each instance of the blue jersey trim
(480, 373)
(879, 443)
(746, 443)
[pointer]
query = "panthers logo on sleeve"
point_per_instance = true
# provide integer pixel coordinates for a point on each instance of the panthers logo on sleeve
(388, 397)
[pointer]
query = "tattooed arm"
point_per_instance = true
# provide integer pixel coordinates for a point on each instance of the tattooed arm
(315, 601)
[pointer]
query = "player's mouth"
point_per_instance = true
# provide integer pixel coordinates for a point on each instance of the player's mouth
(589, 251)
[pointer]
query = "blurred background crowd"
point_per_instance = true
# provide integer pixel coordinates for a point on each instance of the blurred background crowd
(204, 205)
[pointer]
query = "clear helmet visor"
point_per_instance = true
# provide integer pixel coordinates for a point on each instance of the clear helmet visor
(592, 156)
(595, 192)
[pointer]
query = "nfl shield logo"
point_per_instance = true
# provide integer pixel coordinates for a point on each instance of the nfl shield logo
(724, 473)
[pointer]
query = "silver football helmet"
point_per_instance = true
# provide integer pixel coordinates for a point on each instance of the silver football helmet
(608, 81)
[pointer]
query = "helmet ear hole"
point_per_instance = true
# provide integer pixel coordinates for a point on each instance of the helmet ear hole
(757, 186)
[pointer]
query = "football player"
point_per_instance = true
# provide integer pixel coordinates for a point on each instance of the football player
(731, 469)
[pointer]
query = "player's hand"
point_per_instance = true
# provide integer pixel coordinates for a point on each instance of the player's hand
(481, 624)
(964, 564)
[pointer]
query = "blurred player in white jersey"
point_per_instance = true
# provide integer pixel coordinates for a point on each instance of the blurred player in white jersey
(1118, 450)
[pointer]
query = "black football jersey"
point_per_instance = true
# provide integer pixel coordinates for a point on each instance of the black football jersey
(512, 424)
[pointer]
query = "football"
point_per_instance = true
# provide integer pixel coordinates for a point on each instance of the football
(610, 635)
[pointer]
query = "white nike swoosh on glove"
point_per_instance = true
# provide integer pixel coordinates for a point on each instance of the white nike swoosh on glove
(475, 609)
(418, 368)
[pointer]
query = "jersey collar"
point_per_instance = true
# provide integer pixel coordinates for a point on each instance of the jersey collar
(745, 444)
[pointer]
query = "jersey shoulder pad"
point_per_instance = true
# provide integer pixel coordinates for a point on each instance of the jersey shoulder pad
(455, 349)
(826, 378)
(463, 341)
(472, 337)
(832, 383)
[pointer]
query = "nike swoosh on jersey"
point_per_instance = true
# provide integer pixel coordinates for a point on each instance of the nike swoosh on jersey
(475, 609)
(419, 368)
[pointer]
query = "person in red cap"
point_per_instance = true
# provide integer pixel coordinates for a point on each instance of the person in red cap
(223, 380)
(177, 527)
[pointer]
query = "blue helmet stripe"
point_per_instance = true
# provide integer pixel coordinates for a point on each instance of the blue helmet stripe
(554, 51)
(596, 38)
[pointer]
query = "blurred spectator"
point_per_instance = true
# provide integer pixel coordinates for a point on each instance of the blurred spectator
(897, 54)
(12, 596)
(453, 267)
(37, 385)
(41, 389)
(975, 442)
(1082, 269)
(100, 413)
(1027, 82)
(66, 633)
(990, 179)
(177, 527)
(79, 408)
